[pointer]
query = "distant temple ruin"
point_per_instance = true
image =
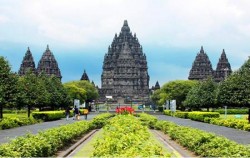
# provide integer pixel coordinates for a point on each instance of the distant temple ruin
(202, 67)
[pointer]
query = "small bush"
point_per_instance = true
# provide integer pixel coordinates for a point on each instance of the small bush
(182, 114)
(49, 115)
(200, 116)
(11, 122)
(232, 111)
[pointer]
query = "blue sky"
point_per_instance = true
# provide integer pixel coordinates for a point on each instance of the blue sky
(171, 33)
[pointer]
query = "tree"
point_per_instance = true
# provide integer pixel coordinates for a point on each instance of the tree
(176, 90)
(235, 90)
(203, 95)
(30, 92)
(8, 85)
(75, 92)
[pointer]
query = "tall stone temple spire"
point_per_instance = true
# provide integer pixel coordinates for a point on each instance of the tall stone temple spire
(85, 76)
(125, 71)
(28, 64)
(201, 68)
(48, 64)
(223, 68)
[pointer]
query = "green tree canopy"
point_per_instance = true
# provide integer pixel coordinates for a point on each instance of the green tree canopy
(174, 90)
(8, 85)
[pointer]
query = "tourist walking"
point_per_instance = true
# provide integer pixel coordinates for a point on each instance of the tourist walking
(67, 113)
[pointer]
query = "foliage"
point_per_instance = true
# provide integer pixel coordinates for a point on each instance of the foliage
(82, 90)
(8, 86)
(200, 116)
(47, 143)
(232, 123)
(231, 111)
(202, 143)
(175, 90)
(147, 120)
(125, 110)
(235, 90)
(11, 122)
(125, 136)
(202, 95)
(100, 120)
(48, 115)
(181, 114)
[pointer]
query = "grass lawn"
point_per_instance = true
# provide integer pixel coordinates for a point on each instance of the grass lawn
(88, 148)
(235, 116)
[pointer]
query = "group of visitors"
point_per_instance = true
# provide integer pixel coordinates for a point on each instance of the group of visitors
(76, 113)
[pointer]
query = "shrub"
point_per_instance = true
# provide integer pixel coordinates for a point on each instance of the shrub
(203, 143)
(200, 116)
(11, 122)
(49, 115)
(45, 143)
(100, 120)
(125, 136)
(182, 114)
(148, 120)
(231, 111)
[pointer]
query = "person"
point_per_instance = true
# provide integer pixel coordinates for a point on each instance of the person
(85, 113)
(74, 113)
(67, 113)
(77, 113)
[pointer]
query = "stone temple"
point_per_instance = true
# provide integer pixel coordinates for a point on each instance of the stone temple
(28, 64)
(125, 71)
(202, 67)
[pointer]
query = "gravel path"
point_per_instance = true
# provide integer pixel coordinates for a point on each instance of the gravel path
(8, 134)
(239, 136)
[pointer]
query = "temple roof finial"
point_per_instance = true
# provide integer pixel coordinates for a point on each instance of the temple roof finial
(47, 47)
(202, 50)
(125, 27)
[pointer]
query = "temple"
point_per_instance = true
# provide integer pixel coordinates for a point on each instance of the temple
(223, 68)
(201, 68)
(48, 64)
(85, 76)
(125, 72)
(28, 64)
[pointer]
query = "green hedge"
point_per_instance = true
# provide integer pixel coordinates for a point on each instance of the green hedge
(182, 114)
(49, 115)
(46, 143)
(200, 116)
(204, 144)
(148, 120)
(125, 136)
(232, 123)
(11, 122)
(231, 111)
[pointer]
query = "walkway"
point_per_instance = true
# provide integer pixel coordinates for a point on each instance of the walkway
(239, 136)
(6, 135)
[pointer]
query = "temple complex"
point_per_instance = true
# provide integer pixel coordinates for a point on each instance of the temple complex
(125, 72)
(48, 64)
(28, 64)
(202, 67)
(223, 68)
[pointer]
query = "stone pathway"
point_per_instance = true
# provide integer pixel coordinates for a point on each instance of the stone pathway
(239, 136)
(8, 134)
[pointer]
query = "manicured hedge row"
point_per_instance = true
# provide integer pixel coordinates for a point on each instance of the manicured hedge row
(11, 122)
(125, 136)
(232, 111)
(46, 143)
(48, 115)
(147, 120)
(232, 123)
(202, 143)
(200, 116)
(196, 115)
(14, 111)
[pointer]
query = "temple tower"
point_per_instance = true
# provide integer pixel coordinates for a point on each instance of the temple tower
(48, 64)
(125, 71)
(28, 64)
(223, 68)
(201, 68)
(85, 76)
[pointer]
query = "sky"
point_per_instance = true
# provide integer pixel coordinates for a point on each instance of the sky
(171, 33)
